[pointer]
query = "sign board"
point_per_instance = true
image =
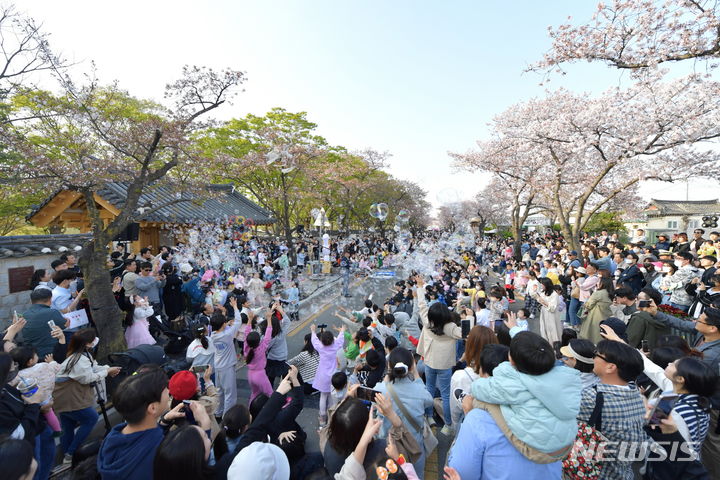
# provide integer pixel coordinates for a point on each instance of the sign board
(537, 221)
(77, 318)
(19, 278)
(383, 274)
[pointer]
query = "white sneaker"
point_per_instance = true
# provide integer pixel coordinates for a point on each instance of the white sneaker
(447, 430)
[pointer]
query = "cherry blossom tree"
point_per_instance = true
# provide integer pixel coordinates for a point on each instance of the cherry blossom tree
(577, 154)
(639, 34)
(91, 135)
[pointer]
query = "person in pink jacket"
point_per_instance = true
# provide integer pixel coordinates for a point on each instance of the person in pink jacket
(327, 346)
(254, 351)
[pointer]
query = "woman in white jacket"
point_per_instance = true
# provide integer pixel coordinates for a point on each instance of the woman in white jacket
(74, 394)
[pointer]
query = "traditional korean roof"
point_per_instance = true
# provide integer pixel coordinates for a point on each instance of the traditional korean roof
(27, 245)
(682, 207)
(228, 203)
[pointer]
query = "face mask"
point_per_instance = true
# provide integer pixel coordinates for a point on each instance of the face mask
(678, 263)
(666, 269)
(95, 342)
(630, 260)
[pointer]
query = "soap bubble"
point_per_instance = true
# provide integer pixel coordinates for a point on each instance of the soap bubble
(402, 217)
(379, 211)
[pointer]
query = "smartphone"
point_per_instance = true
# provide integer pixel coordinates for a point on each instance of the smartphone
(644, 346)
(364, 393)
(188, 412)
(662, 408)
(643, 303)
(51, 324)
(199, 368)
(465, 326)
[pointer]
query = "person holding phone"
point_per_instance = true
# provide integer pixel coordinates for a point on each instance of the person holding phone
(409, 396)
(642, 325)
(692, 383)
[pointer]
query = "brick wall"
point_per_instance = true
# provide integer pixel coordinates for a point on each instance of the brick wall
(17, 301)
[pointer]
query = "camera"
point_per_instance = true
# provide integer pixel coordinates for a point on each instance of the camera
(322, 326)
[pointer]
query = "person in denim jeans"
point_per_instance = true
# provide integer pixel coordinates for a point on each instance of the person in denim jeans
(75, 402)
(437, 347)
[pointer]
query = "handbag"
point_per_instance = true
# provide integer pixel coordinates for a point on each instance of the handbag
(430, 442)
(589, 441)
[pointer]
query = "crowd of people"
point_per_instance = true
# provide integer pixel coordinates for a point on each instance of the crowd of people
(536, 360)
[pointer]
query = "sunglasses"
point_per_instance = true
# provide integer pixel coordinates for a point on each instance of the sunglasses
(598, 355)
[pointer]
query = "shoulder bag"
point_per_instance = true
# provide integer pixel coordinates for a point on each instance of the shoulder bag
(582, 463)
(429, 440)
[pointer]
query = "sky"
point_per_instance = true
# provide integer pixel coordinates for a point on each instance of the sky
(417, 78)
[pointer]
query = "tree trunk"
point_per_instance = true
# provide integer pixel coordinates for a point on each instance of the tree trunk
(104, 309)
(517, 236)
(286, 224)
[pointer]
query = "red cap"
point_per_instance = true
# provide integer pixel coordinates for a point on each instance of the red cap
(183, 385)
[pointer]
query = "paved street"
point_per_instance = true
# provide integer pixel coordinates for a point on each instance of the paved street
(320, 309)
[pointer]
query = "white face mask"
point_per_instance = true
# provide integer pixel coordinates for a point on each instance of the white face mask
(95, 342)
(678, 263)
(666, 269)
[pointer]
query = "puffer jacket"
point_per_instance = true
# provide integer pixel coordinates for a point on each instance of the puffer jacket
(540, 410)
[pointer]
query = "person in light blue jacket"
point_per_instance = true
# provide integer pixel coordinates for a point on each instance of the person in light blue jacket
(539, 401)
(407, 388)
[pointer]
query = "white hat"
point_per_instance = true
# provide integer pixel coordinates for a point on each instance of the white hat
(580, 270)
(185, 268)
(260, 461)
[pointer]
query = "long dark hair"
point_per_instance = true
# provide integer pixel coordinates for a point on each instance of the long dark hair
(309, 346)
(606, 284)
(36, 276)
(181, 456)
(200, 333)
(548, 287)
(347, 425)
(276, 327)
(252, 341)
(438, 316)
(78, 346)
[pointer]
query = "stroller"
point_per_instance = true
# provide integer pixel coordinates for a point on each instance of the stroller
(131, 360)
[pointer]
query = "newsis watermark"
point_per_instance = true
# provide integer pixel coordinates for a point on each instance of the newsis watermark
(637, 451)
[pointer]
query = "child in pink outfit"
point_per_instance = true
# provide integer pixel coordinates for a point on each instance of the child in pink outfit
(327, 346)
(254, 350)
(41, 372)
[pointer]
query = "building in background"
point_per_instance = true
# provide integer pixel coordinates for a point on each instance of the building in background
(676, 216)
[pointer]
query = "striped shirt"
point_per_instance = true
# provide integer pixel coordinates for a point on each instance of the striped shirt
(306, 364)
(696, 418)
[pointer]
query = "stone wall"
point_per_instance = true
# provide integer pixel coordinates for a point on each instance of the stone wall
(19, 301)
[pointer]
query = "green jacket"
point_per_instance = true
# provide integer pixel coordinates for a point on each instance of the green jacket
(643, 326)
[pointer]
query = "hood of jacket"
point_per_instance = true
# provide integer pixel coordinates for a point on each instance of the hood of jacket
(128, 456)
(557, 390)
